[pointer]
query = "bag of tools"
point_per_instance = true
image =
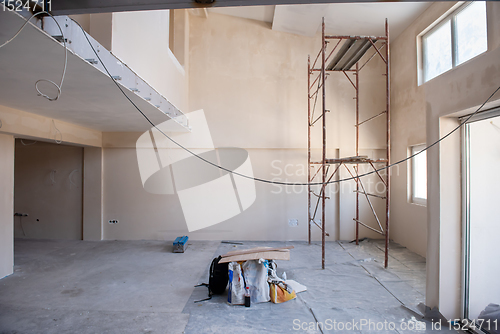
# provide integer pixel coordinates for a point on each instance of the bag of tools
(279, 291)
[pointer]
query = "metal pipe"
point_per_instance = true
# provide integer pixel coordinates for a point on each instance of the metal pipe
(375, 47)
(357, 150)
(340, 40)
(327, 234)
(309, 146)
(369, 119)
(312, 178)
(388, 108)
(368, 227)
(317, 119)
(319, 70)
(309, 79)
(356, 37)
(368, 199)
(371, 57)
(323, 77)
(380, 176)
(317, 57)
(352, 83)
(319, 196)
(373, 195)
(317, 205)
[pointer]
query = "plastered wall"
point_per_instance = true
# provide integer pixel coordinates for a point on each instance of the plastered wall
(6, 205)
(27, 125)
(32, 127)
(140, 40)
(408, 128)
(251, 83)
(456, 92)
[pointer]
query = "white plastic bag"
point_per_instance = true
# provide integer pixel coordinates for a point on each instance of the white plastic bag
(255, 274)
(236, 294)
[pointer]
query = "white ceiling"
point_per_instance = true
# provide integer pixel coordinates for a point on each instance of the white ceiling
(340, 18)
(88, 97)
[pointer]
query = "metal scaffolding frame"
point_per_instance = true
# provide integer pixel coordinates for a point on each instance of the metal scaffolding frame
(348, 55)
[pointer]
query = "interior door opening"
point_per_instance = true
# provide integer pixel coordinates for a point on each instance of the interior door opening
(482, 220)
(47, 190)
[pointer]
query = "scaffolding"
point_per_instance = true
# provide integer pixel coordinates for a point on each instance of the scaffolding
(348, 56)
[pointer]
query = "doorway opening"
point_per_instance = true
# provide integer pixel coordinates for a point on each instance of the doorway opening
(481, 152)
(48, 190)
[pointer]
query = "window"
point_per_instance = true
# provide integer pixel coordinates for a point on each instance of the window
(459, 37)
(418, 186)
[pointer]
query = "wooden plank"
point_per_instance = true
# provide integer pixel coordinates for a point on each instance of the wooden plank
(256, 250)
(267, 255)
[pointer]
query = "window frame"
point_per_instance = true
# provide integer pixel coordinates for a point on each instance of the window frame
(412, 176)
(451, 17)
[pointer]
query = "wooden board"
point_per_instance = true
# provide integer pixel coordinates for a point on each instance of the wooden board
(267, 255)
(257, 249)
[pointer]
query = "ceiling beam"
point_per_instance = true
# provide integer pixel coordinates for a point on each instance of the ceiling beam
(65, 7)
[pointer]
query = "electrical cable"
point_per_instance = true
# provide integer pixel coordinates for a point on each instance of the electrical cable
(58, 141)
(278, 182)
(58, 87)
(53, 176)
(33, 143)
(71, 180)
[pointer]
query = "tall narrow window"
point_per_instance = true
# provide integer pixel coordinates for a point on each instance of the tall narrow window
(419, 175)
(459, 37)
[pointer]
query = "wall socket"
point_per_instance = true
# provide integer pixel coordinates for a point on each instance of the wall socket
(113, 221)
(293, 222)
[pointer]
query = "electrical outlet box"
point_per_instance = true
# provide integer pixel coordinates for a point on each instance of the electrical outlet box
(293, 222)
(113, 221)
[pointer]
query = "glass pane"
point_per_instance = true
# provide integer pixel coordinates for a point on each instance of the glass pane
(437, 51)
(484, 222)
(419, 174)
(471, 31)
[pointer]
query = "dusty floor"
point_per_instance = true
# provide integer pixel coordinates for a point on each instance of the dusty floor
(142, 287)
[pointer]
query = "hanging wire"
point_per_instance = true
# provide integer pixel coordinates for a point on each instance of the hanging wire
(58, 141)
(58, 87)
(279, 182)
(33, 143)
(214, 164)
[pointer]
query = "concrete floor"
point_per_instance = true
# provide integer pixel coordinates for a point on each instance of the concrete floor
(142, 287)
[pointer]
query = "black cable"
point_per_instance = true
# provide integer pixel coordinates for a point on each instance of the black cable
(278, 182)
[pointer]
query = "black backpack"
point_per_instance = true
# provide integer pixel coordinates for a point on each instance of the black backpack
(217, 280)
